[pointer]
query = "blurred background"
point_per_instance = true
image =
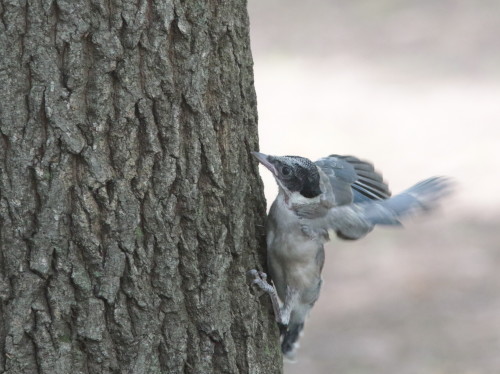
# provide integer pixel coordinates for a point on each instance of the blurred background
(414, 87)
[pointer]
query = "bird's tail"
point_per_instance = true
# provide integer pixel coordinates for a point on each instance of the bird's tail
(290, 335)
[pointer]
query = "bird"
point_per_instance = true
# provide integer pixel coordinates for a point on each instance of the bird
(339, 194)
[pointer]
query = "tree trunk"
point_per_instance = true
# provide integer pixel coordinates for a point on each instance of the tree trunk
(130, 210)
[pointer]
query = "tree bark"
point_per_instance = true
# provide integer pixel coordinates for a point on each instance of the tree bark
(130, 210)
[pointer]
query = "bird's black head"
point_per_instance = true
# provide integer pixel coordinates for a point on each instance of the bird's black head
(294, 173)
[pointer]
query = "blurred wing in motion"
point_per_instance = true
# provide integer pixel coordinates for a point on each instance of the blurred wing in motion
(419, 198)
(356, 220)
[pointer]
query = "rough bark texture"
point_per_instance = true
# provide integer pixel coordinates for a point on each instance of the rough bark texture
(129, 207)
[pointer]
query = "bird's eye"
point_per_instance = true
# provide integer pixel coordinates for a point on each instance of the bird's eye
(286, 171)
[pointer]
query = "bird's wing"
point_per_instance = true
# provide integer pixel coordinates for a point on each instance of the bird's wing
(353, 180)
(356, 220)
(421, 197)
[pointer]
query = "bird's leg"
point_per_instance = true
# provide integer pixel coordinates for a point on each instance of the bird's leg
(290, 301)
(282, 315)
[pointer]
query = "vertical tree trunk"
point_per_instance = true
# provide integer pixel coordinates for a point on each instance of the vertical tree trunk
(129, 207)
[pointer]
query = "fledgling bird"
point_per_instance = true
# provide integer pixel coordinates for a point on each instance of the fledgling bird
(336, 193)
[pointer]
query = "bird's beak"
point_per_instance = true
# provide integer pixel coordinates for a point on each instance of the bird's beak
(264, 160)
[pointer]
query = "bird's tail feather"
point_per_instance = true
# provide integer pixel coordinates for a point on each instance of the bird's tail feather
(290, 337)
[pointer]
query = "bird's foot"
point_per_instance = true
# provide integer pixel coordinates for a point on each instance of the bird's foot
(259, 278)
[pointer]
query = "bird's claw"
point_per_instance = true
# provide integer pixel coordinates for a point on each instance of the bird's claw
(260, 279)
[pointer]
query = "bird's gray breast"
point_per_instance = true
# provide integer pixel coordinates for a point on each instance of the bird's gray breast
(294, 258)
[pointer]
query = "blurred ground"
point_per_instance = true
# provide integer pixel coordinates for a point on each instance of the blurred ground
(413, 86)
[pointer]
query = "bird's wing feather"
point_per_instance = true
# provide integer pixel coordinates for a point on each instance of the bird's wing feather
(419, 198)
(353, 180)
(356, 220)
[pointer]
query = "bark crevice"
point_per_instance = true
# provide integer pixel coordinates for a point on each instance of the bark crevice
(129, 207)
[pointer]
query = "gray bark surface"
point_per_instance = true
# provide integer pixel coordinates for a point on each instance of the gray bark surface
(130, 209)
